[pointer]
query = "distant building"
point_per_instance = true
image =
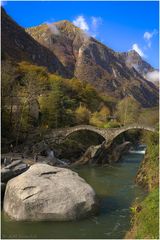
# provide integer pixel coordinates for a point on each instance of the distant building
(112, 118)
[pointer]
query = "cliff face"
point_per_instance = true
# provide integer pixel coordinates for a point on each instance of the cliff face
(62, 38)
(18, 45)
(66, 50)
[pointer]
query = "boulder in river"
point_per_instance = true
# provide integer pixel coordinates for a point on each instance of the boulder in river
(49, 193)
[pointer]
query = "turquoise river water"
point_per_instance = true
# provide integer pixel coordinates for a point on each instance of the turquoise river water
(116, 189)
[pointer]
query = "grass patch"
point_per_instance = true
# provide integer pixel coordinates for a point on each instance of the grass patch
(147, 220)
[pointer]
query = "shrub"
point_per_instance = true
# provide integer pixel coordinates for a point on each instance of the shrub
(82, 115)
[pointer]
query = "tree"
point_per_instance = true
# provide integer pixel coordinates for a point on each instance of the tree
(33, 80)
(89, 96)
(95, 120)
(56, 108)
(149, 116)
(104, 113)
(51, 107)
(128, 110)
(100, 118)
(82, 115)
(8, 92)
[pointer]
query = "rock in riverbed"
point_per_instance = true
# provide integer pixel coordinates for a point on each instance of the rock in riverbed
(104, 153)
(49, 193)
(12, 170)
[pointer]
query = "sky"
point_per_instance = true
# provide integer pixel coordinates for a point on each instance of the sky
(121, 26)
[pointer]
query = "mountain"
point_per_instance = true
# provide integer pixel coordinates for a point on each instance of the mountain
(18, 45)
(133, 59)
(89, 60)
(65, 49)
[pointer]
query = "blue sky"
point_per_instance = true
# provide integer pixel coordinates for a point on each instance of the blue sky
(120, 25)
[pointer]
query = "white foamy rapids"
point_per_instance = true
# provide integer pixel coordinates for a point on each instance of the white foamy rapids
(138, 151)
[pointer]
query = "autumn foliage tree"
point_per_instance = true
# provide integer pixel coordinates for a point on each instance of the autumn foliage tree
(128, 110)
(99, 118)
(82, 115)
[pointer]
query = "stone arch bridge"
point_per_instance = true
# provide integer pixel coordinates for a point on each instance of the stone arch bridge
(109, 134)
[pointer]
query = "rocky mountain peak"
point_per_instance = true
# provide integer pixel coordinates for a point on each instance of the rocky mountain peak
(133, 53)
(133, 59)
(67, 25)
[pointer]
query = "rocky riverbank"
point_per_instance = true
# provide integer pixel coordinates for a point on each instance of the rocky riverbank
(18, 163)
(145, 213)
(104, 153)
(10, 171)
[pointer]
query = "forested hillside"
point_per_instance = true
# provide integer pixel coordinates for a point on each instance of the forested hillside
(33, 98)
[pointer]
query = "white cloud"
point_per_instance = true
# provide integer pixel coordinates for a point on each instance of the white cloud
(94, 26)
(89, 25)
(148, 36)
(138, 50)
(53, 28)
(81, 22)
(149, 44)
(153, 76)
(96, 21)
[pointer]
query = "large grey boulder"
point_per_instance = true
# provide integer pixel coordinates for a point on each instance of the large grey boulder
(49, 193)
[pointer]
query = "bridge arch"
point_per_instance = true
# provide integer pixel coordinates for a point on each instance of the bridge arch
(119, 131)
(88, 128)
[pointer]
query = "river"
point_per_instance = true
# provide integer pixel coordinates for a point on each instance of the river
(116, 189)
